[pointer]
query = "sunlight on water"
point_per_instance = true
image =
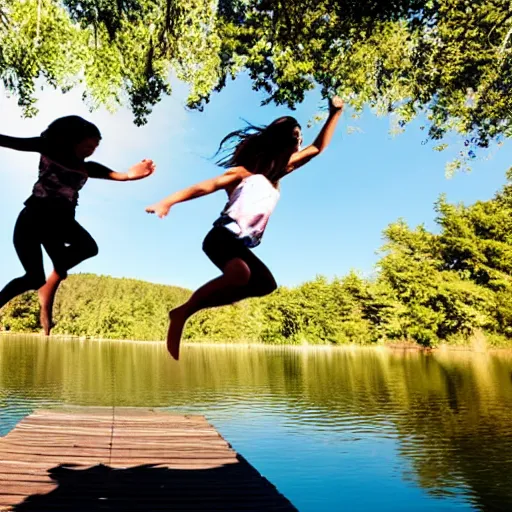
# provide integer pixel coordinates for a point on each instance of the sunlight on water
(352, 430)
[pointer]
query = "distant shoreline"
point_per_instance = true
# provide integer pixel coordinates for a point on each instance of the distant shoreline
(405, 346)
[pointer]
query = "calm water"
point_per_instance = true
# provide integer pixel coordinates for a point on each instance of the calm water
(334, 430)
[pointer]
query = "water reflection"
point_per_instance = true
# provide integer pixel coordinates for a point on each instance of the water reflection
(441, 423)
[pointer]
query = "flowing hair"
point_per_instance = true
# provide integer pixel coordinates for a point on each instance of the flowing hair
(63, 133)
(261, 150)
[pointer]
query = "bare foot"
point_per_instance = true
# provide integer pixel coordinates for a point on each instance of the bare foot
(45, 318)
(46, 297)
(45, 315)
(178, 318)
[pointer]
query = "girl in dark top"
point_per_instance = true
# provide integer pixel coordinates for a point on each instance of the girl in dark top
(48, 219)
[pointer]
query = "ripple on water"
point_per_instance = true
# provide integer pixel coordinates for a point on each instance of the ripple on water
(425, 432)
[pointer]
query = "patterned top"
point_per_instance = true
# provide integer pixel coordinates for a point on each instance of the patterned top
(248, 210)
(57, 181)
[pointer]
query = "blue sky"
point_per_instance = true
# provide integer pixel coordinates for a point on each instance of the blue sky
(330, 217)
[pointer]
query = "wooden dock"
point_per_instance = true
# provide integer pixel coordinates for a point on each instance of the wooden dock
(123, 459)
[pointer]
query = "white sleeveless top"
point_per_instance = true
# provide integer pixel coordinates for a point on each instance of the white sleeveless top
(248, 209)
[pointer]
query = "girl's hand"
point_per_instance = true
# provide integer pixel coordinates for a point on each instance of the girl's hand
(161, 209)
(335, 104)
(141, 170)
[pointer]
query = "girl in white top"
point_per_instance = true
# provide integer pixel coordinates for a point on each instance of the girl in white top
(257, 162)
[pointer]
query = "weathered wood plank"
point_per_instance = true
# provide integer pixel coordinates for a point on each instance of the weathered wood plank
(127, 444)
(126, 459)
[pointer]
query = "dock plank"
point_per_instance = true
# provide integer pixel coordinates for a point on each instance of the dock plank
(126, 459)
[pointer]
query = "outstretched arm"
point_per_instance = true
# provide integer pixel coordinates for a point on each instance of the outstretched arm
(21, 144)
(323, 139)
(225, 181)
(136, 172)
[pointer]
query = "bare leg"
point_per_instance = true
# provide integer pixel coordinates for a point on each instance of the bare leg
(82, 246)
(223, 290)
(46, 297)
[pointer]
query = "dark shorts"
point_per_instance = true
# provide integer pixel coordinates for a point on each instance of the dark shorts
(221, 246)
(53, 226)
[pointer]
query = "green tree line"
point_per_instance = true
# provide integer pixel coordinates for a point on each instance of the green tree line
(446, 60)
(428, 288)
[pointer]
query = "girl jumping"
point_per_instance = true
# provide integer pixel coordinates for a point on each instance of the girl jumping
(260, 158)
(48, 219)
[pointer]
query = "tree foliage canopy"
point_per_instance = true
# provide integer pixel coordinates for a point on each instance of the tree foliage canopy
(448, 59)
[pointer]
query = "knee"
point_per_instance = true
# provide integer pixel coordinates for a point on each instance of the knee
(92, 249)
(35, 281)
(261, 286)
(264, 286)
(272, 287)
(237, 272)
(62, 273)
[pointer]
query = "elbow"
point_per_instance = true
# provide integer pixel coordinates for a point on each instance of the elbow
(200, 191)
(316, 149)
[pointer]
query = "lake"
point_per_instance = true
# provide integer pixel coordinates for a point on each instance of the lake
(334, 429)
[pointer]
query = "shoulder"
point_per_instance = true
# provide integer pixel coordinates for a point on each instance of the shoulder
(234, 175)
(238, 172)
(232, 178)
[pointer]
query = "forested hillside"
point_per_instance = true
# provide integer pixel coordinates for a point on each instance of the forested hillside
(428, 288)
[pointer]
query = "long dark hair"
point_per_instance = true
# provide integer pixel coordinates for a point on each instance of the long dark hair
(63, 133)
(261, 150)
